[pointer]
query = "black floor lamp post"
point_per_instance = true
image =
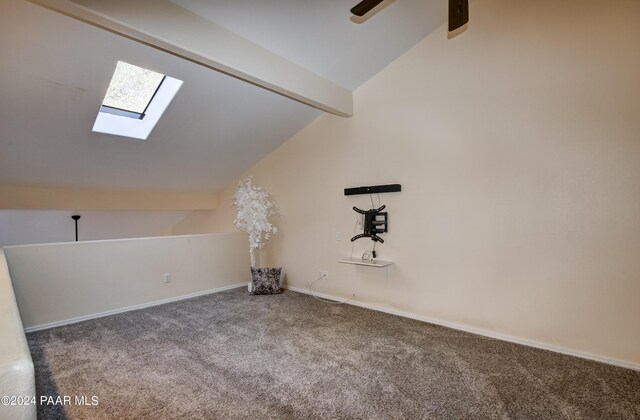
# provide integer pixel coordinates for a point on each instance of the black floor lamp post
(76, 217)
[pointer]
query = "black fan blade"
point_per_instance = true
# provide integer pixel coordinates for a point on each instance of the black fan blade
(364, 7)
(458, 13)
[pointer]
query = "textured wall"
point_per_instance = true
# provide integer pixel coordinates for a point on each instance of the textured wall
(517, 146)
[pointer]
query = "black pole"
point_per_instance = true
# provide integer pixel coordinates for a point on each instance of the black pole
(75, 217)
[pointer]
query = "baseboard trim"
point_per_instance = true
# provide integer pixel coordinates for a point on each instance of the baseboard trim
(130, 308)
(479, 331)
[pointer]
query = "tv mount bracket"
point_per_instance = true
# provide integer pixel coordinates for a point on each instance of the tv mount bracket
(375, 222)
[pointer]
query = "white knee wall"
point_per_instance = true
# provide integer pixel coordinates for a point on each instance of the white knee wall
(17, 377)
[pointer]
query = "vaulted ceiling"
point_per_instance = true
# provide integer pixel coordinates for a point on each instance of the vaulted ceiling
(54, 71)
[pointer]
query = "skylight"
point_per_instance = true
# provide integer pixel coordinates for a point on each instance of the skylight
(132, 88)
(135, 101)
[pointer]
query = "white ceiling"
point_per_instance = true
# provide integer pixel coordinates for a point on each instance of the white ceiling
(320, 36)
(54, 72)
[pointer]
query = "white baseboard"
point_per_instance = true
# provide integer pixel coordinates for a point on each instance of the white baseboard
(480, 331)
(129, 308)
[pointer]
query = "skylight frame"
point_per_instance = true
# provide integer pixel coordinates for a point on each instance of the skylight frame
(125, 123)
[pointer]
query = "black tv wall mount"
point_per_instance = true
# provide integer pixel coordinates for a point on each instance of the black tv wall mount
(375, 220)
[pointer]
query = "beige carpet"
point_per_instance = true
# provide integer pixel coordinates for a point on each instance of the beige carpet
(288, 356)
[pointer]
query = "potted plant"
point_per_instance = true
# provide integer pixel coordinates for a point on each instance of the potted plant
(254, 209)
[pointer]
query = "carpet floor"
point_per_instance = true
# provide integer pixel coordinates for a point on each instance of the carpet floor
(289, 356)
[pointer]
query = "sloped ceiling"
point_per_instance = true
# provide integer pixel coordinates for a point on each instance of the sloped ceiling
(55, 70)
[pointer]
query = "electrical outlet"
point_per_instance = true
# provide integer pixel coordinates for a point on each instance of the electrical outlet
(323, 274)
(338, 236)
(167, 277)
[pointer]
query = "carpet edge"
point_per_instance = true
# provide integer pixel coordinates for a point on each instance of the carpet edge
(480, 331)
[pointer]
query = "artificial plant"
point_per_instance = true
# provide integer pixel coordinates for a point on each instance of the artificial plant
(254, 208)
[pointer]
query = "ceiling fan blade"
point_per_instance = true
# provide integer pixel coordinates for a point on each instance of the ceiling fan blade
(458, 14)
(364, 7)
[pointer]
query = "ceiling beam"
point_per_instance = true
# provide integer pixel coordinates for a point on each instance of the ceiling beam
(171, 28)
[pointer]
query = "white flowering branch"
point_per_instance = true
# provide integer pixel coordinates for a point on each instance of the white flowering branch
(254, 208)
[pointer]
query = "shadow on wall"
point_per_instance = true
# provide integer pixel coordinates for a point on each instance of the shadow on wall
(201, 221)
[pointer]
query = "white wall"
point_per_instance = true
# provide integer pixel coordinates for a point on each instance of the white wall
(18, 227)
(58, 282)
(517, 146)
